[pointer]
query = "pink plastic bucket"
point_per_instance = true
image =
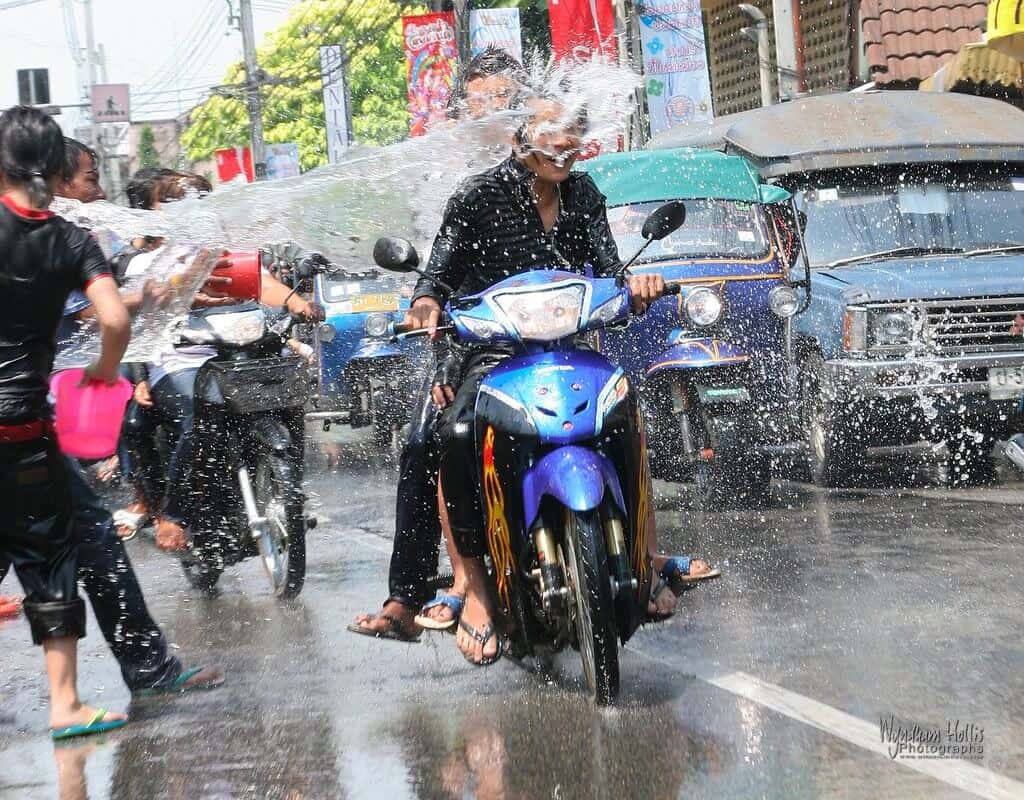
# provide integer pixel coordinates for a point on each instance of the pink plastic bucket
(88, 418)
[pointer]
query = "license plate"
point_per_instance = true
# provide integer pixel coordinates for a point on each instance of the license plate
(1005, 383)
(374, 302)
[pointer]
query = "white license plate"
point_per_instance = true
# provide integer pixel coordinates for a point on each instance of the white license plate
(1005, 383)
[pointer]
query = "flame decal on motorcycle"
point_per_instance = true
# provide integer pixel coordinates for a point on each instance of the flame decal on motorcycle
(498, 535)
(641, 560)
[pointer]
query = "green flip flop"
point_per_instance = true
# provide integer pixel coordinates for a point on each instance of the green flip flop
(179, 684)
(96, 725)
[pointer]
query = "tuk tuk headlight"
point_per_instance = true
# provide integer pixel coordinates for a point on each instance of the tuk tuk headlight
(377, 325)
(326, 332)
(784, 301)
(703, 306)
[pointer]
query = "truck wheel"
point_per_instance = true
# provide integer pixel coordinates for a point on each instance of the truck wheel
(835, 449)
(734, 477)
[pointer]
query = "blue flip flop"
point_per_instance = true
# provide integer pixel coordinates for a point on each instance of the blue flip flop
(453, 601)
(96, 725)
(178, 685)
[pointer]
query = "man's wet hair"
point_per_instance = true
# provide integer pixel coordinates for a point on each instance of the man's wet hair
(490, 61)
(31, 151)
(154, 185)
(73, 152)
(528, 93)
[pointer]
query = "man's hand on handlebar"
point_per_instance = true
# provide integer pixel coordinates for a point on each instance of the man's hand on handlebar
(425, 313)
(644, 290)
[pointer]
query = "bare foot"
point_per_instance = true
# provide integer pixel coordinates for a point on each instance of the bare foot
(170, 536)
(79, 715)
(380, 624)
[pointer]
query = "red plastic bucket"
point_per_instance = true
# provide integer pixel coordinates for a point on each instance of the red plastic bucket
(245, 274)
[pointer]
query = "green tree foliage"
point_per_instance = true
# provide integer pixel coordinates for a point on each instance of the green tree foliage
(148, 155)
(293, 109)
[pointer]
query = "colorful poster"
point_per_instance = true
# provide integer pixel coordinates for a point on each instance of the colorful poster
(581, 29)
(675, 63)
(496, 27)
(431, 55)
(283, 161)
(233, 162)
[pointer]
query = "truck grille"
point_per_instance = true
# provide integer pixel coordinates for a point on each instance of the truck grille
(995, 323)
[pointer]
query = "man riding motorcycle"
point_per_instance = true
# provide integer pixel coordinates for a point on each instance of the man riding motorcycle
(530, 212)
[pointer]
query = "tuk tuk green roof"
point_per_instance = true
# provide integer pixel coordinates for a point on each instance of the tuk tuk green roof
(644, 176)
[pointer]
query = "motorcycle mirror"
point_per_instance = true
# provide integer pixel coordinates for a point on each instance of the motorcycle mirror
(395, 254)
(664, 220)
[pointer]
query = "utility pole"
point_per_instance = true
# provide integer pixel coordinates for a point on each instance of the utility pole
(461, 11)
(786, 14)
(253, 79)
(758, 33)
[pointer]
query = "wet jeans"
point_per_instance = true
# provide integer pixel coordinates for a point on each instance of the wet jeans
(417, 527)
(174, 408)
(107, 576)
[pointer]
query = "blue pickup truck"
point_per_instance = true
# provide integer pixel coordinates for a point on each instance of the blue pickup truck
(912, 210)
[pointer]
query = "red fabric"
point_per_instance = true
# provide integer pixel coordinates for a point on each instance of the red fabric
(26, 432)
(234, 161)
(96, 278)
(21, 211)
(582, 28)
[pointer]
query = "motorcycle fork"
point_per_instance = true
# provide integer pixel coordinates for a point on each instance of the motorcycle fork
(618, 558)
(550, 575)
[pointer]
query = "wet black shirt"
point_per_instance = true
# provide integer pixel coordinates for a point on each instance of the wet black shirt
(42, 258)
(492, 230)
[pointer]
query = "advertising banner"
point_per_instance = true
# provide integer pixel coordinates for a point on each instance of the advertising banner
(332, 76)
(283, 161)
(675, 63)
(431, 55)
(582, 28)
(232, 162)
(496, 27)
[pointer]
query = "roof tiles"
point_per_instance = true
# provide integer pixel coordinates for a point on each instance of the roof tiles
(907, 40)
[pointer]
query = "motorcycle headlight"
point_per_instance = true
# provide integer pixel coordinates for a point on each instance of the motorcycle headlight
(377, 325)
(240, 328)
(483, 328)
(703, 306)
(543, 315)
(784, 301)
(891, 328)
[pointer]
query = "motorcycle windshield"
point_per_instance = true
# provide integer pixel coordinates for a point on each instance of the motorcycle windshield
(539, 306)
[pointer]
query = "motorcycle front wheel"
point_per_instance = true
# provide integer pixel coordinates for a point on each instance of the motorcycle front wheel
(279, 499)
(587, 570)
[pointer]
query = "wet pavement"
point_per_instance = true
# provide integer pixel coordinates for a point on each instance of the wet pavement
(837, 610)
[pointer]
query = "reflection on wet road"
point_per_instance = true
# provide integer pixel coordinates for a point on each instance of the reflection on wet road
(837, 610)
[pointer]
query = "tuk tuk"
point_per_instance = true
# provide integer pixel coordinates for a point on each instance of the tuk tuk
(713, 367)
(912, 205)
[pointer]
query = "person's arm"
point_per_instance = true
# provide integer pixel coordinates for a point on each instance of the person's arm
(447, 262)
(115, 328)
(275, 293)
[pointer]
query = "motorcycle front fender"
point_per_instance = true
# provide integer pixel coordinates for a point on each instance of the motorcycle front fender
(697, 354)
(574, 476)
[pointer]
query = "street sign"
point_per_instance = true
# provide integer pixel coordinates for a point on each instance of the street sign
(34, 87)
(110, 103)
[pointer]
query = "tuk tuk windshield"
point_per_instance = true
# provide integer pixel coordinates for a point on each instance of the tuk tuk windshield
(713, 229)
(848, 223)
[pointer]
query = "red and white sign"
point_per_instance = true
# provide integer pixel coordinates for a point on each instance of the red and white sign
(111, 102)
(581, 29)
(234, 161)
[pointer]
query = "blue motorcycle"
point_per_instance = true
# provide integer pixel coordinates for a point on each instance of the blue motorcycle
(562, 465)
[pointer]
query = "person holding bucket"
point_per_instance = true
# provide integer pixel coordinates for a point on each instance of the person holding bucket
(42, 259)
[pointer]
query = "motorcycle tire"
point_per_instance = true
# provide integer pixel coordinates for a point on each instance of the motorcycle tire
(734, 477)
(587, 567)
(279, 498)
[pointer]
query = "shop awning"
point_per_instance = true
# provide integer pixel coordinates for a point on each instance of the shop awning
(977, 64)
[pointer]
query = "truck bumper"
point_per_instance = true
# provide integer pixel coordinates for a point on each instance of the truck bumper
(870, 379)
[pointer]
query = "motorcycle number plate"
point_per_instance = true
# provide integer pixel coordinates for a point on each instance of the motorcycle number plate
(1005, 383)
(723, 394)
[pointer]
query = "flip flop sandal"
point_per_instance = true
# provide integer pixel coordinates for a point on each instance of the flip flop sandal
(95, 725)
(131, 522)
(676, 575)
(395, 634)
(180, 684)
(453, 601)
(482, 636)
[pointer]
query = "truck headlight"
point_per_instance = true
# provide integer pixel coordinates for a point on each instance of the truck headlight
(891, 328)
(703, 306)
(784, 301)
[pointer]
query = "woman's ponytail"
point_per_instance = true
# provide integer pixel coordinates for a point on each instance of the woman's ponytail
(38, 190)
